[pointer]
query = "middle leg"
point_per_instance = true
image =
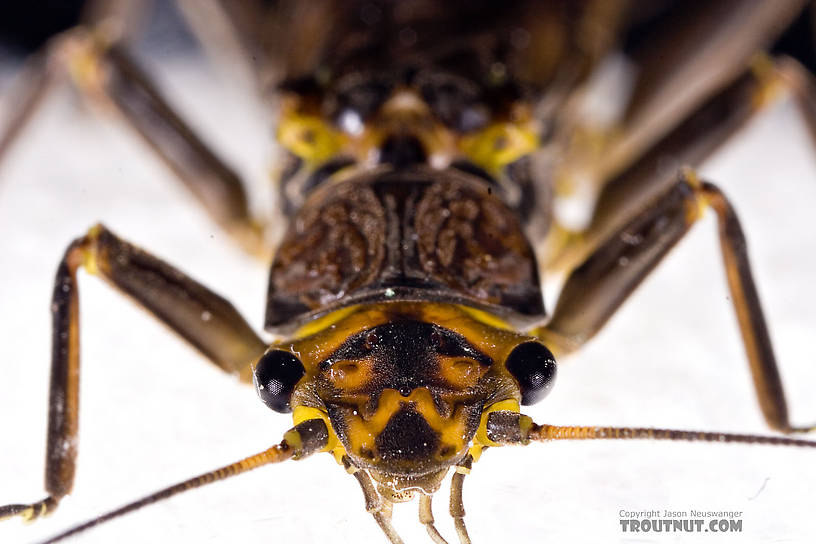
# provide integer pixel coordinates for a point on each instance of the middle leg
(596, 289)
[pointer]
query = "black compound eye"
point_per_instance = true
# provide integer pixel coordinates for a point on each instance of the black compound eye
(533, 367)
(275, 377)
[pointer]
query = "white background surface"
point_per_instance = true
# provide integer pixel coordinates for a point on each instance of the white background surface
(154, 412)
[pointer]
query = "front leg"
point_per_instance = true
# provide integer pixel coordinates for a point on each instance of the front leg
(205, 320)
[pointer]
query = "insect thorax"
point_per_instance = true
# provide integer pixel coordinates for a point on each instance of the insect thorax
(414, 235)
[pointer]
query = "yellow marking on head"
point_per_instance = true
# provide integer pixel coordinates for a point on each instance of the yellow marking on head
(480, 439)
(486, 318)
(351, 375)
(362, 434)
(305, 413)
(486, 333)
(324, 322)
(510, 405)
(461, 372)
(315, 341)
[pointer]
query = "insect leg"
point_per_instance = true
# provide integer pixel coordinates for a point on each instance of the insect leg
(596, 289)
(103, 71)
(690, 143)
(205, 320)
(375, 505)
(457, 506)
(426, 518)
(233, 34)
(687, 56)
(214, 184)
(45, 68)
(33, 84)
(802, 85)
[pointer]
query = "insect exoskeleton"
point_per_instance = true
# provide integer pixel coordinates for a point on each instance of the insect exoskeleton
(432, 154)
(404, 387)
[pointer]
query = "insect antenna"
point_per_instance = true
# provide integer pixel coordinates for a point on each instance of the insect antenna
(507, 427)
(275, 454)
(299, 442)
(545, 432)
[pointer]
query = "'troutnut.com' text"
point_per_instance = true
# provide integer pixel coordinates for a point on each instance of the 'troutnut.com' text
(680, 521)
